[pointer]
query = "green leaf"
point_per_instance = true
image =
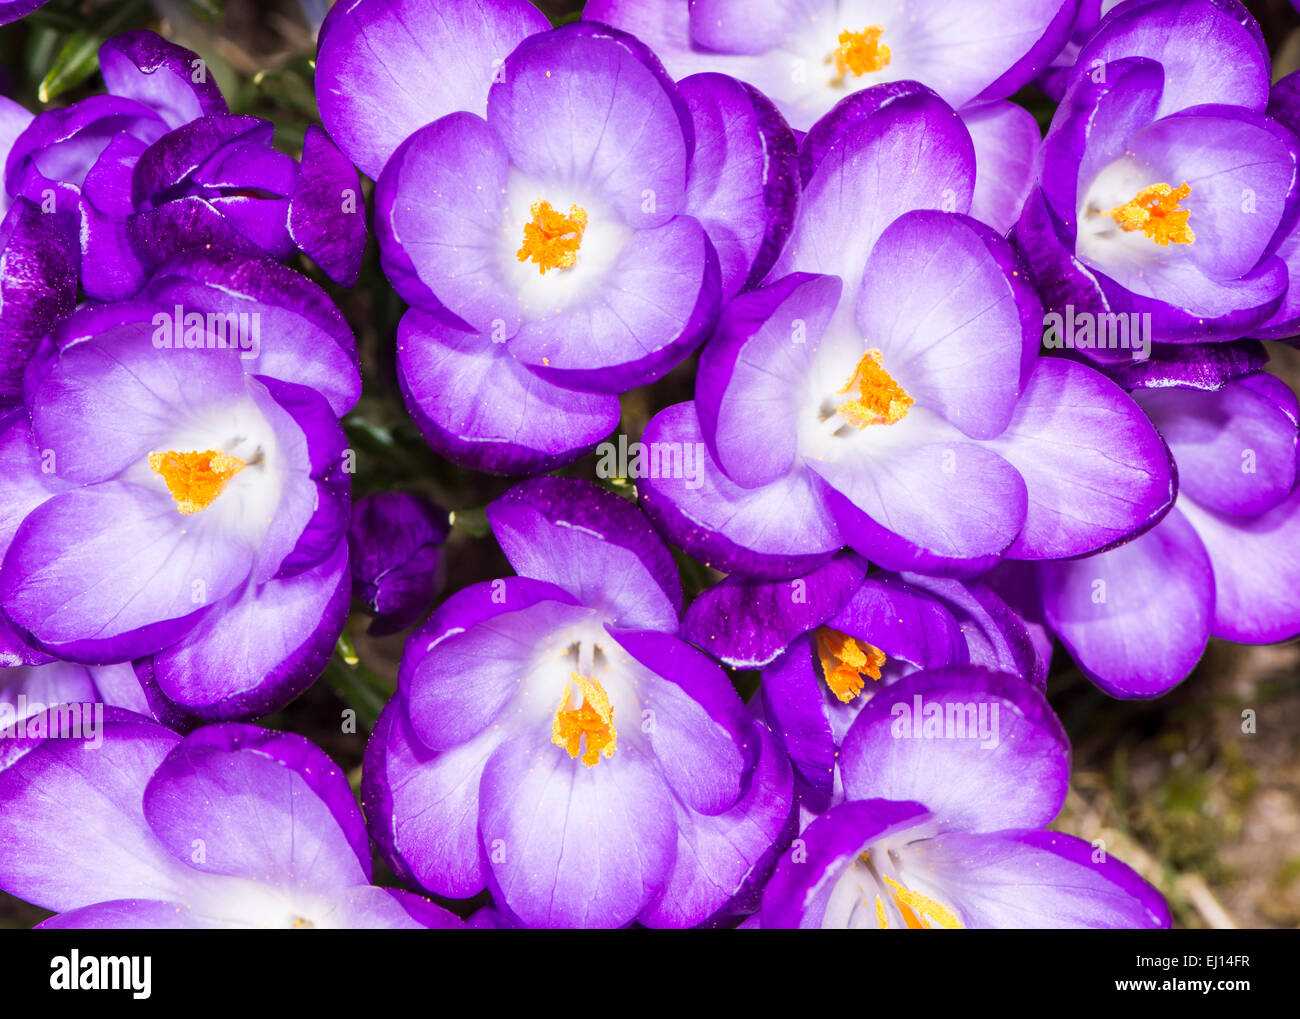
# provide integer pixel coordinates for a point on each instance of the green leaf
(356, 684)
(76, 62)
(473, 522)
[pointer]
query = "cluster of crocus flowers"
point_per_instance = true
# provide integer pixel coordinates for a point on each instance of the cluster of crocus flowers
(830, 223)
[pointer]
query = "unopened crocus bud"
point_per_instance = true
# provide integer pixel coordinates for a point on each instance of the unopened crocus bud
(395, 542)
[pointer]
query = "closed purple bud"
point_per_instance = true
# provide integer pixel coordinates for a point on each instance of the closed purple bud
(395, 542)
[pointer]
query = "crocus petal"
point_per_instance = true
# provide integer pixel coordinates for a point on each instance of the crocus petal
(327, 215)
(1136, 618)
(61, 859)
(314, 447)
(1062, 279)
(748, 623)
(927, 501)
(297, 826)
(478, 406)
(108, 572)
(744, 182)
(112, 267)
(256, 652)
(1235, 448)
(303, 337)
(439, 210)
(388, 67)
(583, 847)
(705, 741)
(723, 860)
(794, 704)
(996, 635)
(1006, 139)
(946, 319)
(965, 52)
(110, 400)
(903, 622)
(38, 288)
(1120, 479)
(592, 544)
(169, 78)
(765, 342)
(619, 338)
(129, 914)
(422, 805)
(492, 631)
(590, 105)
(178, 155)
(1256, 570)
(1211, 52)
(367, 907)
(930, 163)
(777, 530)
(1037, 879)
(919, 740)
(1196, 366)
(797, 894)
(394, 546)
(14, 120)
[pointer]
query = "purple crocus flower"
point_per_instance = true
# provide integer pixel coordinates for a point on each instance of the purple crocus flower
(1225, 562)
(553, 257)
(808, 55)
(176, 482)
(829, 639)
(551, 728)
(158, 165)
(232, 826)
(395, 546)
(950, 777)
(1165, 189)
(883, 391)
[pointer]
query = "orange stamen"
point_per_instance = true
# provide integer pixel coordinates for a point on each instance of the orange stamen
(844, 659)
(195, 479)
(915, 907)
(592, 720)
(860, 53)
(552, 239)
(1154, 211)
(881, 400)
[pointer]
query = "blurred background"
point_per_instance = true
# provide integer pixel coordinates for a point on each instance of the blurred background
(1208, 813)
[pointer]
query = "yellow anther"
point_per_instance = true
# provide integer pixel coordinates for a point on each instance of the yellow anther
(1154, 211)
(859, 53)
(195, 479)
(844, 659)
(552, 239)
(880, 400)
(916, 907)
(592, 720)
